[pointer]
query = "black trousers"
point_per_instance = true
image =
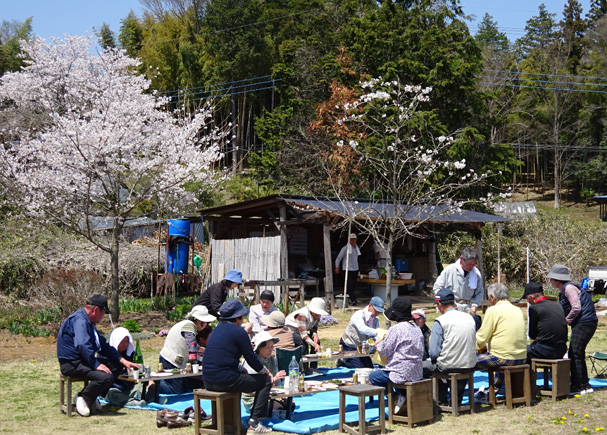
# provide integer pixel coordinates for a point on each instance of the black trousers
(581, 334)
(351, 285)
(99, 382)
(258, 384)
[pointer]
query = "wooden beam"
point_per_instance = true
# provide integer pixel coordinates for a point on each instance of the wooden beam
(326, 238)
(284, 246)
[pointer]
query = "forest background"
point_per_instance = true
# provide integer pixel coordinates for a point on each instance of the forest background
(532, 110)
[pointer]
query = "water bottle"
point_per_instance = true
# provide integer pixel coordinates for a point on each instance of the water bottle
(365, 347)
(294, 374)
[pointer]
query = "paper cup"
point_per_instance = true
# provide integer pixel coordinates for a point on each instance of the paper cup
(135, 374)
(195, 368)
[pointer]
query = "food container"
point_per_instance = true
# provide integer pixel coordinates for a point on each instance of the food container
(405, 275)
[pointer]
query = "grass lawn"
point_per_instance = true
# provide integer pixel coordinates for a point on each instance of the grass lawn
(29, 402)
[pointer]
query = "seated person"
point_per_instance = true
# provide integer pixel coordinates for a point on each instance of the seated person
(419, 317)
(263, 308)
(452, 343)
(363, 325)
(222, 372)
(79, 343)
(403, 347)
(263, 346)
(504, 329)
(202, 337)
(125, 392)
(180, 346)
(305, 322)
(547, 325)
(287, 338)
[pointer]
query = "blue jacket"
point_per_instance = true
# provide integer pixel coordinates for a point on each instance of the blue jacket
(220, 362)
(78, 339)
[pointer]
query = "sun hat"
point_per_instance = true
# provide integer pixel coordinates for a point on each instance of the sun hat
(261, 338)
(267, 295)
(419, 313)
(200, 312)
(559, 272)
(274, 320)
(234, 276)
(231, 309)
(532, 288)
(444, 295)
(317, 306)
(400, 310)
(99, 301)
(377, 303)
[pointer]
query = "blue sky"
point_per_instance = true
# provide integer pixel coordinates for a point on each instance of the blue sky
(75, 17)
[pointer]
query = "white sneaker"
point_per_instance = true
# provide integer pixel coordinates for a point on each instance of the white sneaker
(400, 404)
(588, 390)
(82, 407)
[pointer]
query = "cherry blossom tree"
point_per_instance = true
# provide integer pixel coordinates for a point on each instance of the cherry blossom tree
(408, 176)
(103, 144)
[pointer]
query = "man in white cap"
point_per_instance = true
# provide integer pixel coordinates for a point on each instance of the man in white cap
(180, 346)
(581, 315)
(305, 322)
(351, 252)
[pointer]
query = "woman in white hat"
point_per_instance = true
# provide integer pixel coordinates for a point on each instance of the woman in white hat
(180, 346)
(263, 346)
(305, 322)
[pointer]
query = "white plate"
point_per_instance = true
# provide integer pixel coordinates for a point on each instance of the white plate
(311, 355)
(160, 375)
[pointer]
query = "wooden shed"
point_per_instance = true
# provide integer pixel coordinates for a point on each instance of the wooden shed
(285, 236)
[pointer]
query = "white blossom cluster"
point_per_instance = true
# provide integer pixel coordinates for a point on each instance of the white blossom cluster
(108, 144)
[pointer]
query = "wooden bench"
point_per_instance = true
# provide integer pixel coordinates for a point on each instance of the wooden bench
(225, 412)
(557, 369)
(361, 391)
(68, 407)
(419, 402)
(453, 377)
(516, 381)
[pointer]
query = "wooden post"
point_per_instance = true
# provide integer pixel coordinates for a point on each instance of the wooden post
(284, 247)
(479, 248)
(326, 238)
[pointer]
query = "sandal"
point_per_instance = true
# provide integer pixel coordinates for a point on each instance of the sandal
(160, 418)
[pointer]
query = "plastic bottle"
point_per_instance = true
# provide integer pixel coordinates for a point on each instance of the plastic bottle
(138, 356)
(192, 354)
(294, 374)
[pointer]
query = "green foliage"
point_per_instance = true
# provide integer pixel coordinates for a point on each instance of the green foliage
(18, 274)
(48, 315)
(107, 39)
(178, 312)
(27, 328)
(10, 50)
(131, 325)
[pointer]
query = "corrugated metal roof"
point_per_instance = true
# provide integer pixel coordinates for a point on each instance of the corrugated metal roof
(359, 207)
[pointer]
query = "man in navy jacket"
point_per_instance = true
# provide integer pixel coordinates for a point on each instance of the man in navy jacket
(78, 344)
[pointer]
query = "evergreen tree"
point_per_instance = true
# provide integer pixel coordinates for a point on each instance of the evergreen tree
(131, 34)
(106, 37)
(541, 32)
(11, 33)
(598, 9)
(489, 35)
(572, 31)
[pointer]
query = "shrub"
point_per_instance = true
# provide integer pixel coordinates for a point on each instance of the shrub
(26, 328)
(178, 313)
(131, 325)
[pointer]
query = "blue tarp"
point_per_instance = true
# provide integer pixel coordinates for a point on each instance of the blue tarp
(320, 412)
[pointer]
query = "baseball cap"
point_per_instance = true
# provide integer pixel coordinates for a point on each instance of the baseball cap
(377, 303)
(532, 288)
(444, 295)
(99, 301)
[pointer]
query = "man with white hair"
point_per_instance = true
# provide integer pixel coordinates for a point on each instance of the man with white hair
(504, 328)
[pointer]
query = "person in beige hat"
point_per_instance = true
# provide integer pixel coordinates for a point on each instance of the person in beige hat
(350, 252)
(305, 322)
(581, 315)
(287, 338)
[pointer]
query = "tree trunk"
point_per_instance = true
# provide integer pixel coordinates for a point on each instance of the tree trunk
(115, 271)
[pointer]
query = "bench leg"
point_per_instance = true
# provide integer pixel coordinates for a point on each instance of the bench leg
(342, 411)
(362, 423)
(454, 397)
(196, 415)
(382, 413)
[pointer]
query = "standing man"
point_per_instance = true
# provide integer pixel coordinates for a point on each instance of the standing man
(547, 325)
(452, 342)
(350, 251)
(216, 294)
(78, 344)
(465, 281)
(263, 308)
(363, 325)
(581, 315)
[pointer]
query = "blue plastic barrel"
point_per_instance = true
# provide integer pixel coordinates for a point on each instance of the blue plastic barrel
(178, 256)
(401, 264)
